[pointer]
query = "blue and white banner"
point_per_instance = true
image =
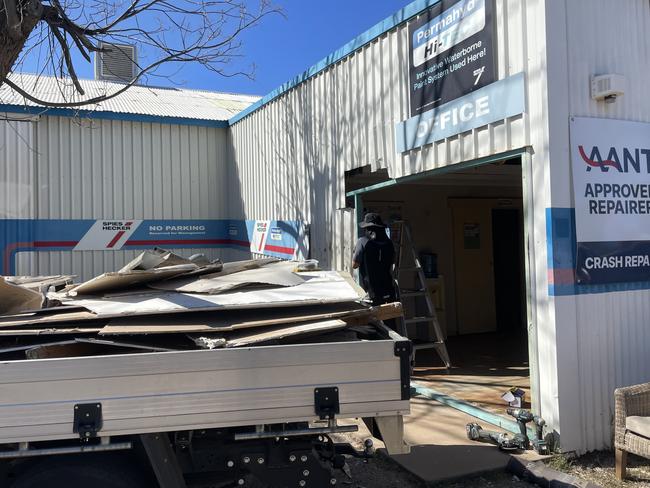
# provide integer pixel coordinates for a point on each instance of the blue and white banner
(611, 182)
(448, 29)
(452, 52)
(498, 101)
(286, 239)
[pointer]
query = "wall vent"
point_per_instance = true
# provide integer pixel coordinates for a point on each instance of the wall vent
(118, 63)
(607, 87)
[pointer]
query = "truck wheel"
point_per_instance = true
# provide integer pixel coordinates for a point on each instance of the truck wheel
(81, 472)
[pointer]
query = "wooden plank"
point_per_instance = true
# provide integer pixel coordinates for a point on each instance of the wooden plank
(200, 322)
(382, 312)
(248, 337)
(51, 331)
(16, 321)
(247, 319)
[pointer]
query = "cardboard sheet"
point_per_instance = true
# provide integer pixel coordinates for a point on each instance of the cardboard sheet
(160, 258)
(123, 279)
(154, 258)
(38, 283)
(15, 298)
(277, 274)
(321, 287)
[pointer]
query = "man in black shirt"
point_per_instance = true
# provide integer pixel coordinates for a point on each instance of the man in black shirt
(374, 256)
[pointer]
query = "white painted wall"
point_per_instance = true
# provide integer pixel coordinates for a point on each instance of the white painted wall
(290, 156)
(605, 337)
(288, 160)
(72, 168)
(292, 153)
(17, 168)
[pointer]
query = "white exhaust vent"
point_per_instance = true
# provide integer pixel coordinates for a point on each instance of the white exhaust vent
(607, 87)
(117, 63)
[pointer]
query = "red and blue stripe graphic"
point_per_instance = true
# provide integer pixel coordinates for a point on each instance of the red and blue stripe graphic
(21, 235)
(567, 273)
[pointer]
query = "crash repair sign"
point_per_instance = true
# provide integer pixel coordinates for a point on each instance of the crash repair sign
(611, 182)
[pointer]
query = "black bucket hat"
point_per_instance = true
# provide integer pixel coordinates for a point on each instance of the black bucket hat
(372, 220)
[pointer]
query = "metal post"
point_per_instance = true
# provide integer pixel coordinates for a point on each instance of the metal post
(358, 207)
(163, 460)
(531, 293)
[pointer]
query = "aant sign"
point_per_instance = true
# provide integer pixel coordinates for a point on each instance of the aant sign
(611, 182)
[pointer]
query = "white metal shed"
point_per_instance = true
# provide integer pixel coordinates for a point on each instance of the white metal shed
(292, 156)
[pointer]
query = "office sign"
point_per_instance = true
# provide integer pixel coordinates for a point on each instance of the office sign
(498, 101)
(611, 182)
(452, 52)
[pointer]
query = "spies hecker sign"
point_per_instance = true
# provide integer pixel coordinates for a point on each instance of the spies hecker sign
(611, 181)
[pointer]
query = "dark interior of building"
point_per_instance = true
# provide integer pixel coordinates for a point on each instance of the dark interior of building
(467, 229)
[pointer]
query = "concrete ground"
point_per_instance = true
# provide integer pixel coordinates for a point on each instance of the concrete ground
(440, 448)
(484, 366)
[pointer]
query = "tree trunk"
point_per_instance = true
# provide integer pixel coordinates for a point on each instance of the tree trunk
(12, 42)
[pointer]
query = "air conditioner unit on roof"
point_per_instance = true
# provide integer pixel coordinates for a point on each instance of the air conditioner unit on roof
(116, 63)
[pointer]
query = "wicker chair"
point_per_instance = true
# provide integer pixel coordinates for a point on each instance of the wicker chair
(632, 424)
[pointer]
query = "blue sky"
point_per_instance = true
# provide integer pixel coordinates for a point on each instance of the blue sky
(280, 47)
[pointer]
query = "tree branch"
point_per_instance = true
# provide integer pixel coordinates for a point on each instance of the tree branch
(206, 32)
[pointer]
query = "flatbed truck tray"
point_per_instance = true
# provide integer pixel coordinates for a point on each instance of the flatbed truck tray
(164, 391)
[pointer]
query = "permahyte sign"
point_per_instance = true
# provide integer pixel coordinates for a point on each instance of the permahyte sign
(452, 52)
(611, 182)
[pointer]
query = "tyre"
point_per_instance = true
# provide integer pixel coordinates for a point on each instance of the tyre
(85, 471)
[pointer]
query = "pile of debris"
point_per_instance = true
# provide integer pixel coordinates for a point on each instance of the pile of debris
(163, 302)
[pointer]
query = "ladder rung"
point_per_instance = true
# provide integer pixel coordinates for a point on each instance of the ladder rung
(428, 345)
(420, 293)
(416, 320)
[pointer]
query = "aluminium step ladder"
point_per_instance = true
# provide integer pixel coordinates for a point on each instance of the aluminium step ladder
(408, 270)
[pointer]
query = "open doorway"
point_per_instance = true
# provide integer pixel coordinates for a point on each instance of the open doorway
(470, 224)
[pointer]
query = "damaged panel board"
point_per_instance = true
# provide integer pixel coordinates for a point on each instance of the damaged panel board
(164, 302)
(320, 288)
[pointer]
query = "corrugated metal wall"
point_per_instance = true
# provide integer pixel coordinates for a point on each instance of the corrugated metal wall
(290, 157)
(608, 334)
(288, 161)
(17, 169)
(291, 154)
(103, 169)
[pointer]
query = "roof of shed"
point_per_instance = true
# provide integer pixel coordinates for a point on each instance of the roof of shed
(163, 102)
